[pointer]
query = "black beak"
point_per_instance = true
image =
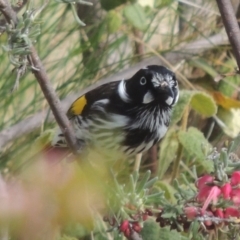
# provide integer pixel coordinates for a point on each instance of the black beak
(164, 88)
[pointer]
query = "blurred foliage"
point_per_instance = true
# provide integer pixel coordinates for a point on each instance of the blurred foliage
(74, 57)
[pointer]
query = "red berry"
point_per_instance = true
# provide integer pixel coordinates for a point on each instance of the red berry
(231, 212)
(235, 178)
(226, 190)
(202, 181)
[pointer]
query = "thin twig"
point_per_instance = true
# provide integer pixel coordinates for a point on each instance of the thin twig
(44, 82)
(231, 26)
(137, 162)
(8, 12)
(180, 147)
(53, 100)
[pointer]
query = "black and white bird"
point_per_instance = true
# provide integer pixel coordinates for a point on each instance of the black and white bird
(129, 115)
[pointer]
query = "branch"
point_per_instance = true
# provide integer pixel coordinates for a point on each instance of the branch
(187, 52)
(44, 82)
(8, 12)
(231, 26)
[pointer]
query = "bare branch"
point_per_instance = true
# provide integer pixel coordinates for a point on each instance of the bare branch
(231, 26)
(8, 12)
(44, 82)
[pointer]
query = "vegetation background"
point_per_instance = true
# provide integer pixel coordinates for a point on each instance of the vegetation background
(120, 36)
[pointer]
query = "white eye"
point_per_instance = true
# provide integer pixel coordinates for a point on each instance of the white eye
(143, 81)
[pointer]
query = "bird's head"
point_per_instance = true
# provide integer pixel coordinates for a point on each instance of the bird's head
(152, 83)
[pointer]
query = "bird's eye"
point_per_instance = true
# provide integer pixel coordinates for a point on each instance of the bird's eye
(143, 81)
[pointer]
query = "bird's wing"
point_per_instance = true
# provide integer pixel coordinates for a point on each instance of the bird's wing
(84, 103)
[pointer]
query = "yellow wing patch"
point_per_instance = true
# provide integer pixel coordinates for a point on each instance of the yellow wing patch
(78, 106)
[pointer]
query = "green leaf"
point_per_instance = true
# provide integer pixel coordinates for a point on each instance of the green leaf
(167, 234)
(236, 144)
(229, 121)
(150, 230)
(204, 65)
(169, 191)
(111, 4)
(204, 104)
(184, 100)
(193, 141)
(162, 3)
(113, 21)
(228, 85)
(136, 16)
(167, 152)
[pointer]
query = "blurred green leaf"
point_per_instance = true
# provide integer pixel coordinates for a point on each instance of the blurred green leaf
(168, 190)
(193, 141)
(65, 237)
(162, 3)
(236, 143)
(229, 121)
(136, 16)
(111, 4)
(167, 234)
(184, 100)
(113, 21)
(150, 230)
(228, 85)
(167, 152)
(204, 104)
(205, 66)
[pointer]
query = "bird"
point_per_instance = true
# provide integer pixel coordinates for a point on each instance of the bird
(128, 115)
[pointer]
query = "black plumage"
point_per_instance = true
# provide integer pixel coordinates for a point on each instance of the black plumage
(127, 115)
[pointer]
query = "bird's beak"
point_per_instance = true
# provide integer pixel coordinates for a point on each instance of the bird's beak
(166, 89)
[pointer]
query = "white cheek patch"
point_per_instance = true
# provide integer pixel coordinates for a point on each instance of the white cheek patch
(122, 92)
(169, 101)
(176, 99)
(148, 97)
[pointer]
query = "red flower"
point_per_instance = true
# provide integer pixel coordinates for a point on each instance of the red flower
(235, 196)
(191, 212)
(235, 179)
(212, 197)
(124, 226)
(203, 193)
(136, 227)
(219, 213)
(226, 190)
(231, 212)
(202, 181)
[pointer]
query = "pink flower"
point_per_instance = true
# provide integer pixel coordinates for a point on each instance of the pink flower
(235, 179)
(202, 181)
(212, 197)
(226, 190)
